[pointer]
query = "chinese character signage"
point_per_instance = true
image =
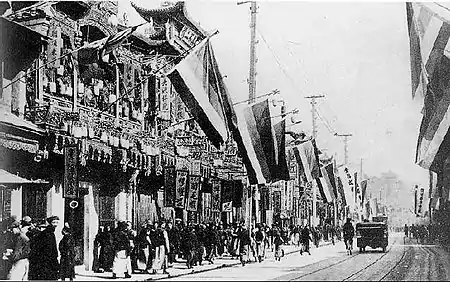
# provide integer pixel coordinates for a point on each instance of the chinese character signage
(181, 185)
(196, 167)
(215, 197)
(194, 190)
(169, 186)
(277, 202)
(70, 190)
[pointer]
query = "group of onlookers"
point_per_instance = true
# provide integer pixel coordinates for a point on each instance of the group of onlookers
(421, 232)
(30, 250)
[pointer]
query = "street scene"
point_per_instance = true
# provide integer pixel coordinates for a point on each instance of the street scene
(224, 140)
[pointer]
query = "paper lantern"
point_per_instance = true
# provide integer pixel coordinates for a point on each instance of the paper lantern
(52, 86)
(112, 98)
(81, 87)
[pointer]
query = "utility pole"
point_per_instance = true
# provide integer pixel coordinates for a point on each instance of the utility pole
(345, 145)
(252, 84)
(314, 135)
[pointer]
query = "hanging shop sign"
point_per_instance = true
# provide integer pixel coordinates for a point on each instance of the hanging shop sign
(70, 189)
(193, 193)
(196, 167)
(180, 190)
(169, 186)
(216, 193)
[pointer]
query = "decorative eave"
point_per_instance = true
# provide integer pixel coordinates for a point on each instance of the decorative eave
(177, 11)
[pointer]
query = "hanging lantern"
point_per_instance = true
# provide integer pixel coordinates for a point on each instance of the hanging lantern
(104, 137)
(52, 86)
(81, 87)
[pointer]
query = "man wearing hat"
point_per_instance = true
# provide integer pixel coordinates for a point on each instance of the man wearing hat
(44, 263)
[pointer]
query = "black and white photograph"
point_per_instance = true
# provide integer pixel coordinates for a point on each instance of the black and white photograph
(224, 140)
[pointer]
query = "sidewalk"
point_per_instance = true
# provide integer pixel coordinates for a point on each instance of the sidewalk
(178, 269)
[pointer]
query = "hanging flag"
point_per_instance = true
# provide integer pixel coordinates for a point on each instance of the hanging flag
(193, 194)
(257, 117)
(324, 189)
(363, 191)
(348, 186)
(281, 170)
(429, 33)
(341, 194)
(94, 51)
(328, 175)
(309, 157)
(196, 82)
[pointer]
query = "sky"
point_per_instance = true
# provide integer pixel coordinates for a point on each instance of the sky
(355, 54)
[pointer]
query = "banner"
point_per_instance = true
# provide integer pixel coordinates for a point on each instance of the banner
(196, 167)
(71, 188)
(308, 159)
(419, 196)
(169, 186)
(193, 194)
(215, 197)
(348, 186)
(227, 207)
(180, 191)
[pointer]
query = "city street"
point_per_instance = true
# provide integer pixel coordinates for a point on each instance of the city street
(402, 262)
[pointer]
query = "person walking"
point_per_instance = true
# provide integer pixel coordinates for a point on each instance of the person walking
(105, 242)
(161, 242)
(305, 237)
(67, 251)
(349, 233)
(259, 241)
(122, 248)
(44, 263)
(143, 245)
(278, 243)
(244, 244)
(20, 254)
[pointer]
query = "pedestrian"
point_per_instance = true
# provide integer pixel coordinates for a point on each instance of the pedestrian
(173, 234)
(278, 243)
(143, 248)
(122, 248)
(406, 230)
(44, 263)
(305, 237)
(20, 254)
(131, 234)
(210, 242)
(67, 251)
(161, 243)
(106, 256)
(190, 246)
(259, 241)
(244, 244)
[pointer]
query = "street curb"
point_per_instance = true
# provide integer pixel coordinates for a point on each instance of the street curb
(222, 266)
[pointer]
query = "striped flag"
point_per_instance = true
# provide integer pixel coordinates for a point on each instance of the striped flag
(92, 52)
(324, 189)
(429, 33)
(308, 159)
(281, 171)
(328, 175)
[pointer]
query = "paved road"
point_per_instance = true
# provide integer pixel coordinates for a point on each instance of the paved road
(404, 261)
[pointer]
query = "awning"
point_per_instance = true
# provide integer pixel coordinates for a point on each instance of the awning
(9, 178)
(19, 134)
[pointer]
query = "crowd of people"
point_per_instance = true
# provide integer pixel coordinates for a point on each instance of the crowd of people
(30, 251)
(421, 233)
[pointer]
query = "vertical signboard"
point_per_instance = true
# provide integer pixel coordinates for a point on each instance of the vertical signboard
(71, 188)
(169, 186)
(215, 197)
(193, 194)
(180, 188)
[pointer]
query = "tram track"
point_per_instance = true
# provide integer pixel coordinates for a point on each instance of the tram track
(333, 265)
(372, 263)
